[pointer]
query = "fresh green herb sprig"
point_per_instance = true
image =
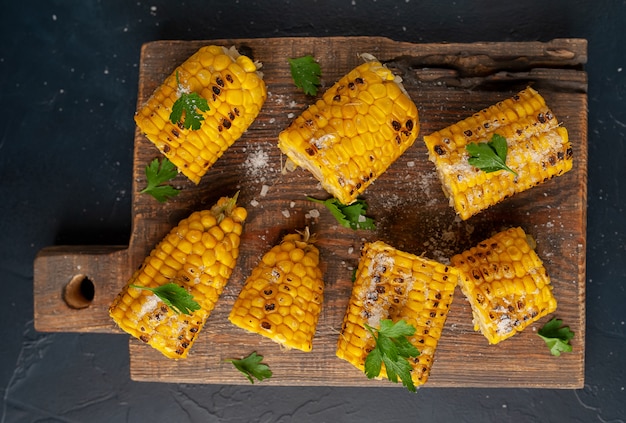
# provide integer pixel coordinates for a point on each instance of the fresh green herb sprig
(351, 216)
(175, 297)
(188, 104)
(556, 336)
(394, 350)
(251, 366)
(489, 156)
(156, 175)
(306, 73)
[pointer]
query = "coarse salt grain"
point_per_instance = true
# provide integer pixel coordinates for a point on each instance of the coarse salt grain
(256, 163)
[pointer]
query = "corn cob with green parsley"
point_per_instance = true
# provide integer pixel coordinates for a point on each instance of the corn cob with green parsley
(198, 255)
(538, 150)
(393, 284)
(235, 92)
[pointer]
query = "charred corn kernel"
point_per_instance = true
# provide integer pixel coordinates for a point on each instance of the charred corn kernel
(352, 134)
(234, 89)
(392, 284)
(275, 301)
(510, 301)
(144, 316)
(538, 150)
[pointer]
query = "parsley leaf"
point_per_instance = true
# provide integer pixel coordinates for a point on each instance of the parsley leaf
(352, 216)
(306, 73)
(394, 350)
(156, 175)
(174, 296)
(556, 336)
(189, 104)
(489, 156)
(251, 366)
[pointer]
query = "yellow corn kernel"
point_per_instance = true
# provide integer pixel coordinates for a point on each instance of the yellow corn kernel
(538, 150)
(234, 94)
(359, 127)
(285, 309)
(144, 316)
(506, 306)
(392, 284)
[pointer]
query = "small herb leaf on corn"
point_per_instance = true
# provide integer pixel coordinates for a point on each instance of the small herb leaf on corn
(351, 216)
(394, 350)
(489, 156)
(251, 366)
(306, 73)
(189, 104)
(556, 336)
(174, 296)
(157, 173)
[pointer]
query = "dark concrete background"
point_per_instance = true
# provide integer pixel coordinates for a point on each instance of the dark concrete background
(68, 81)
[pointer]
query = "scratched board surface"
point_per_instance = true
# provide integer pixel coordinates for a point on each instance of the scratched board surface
(447, 82)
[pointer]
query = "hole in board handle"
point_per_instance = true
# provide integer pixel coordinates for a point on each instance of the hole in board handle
(79, 292)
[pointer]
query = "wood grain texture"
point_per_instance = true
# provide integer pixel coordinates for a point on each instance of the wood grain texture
(447, 82)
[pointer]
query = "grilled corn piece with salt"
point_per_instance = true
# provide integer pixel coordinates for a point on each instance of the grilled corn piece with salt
(392, 284)
(234, 89)
(282, 298)
(538, 150)
(506, 284)
(199, 255)
(359, 127)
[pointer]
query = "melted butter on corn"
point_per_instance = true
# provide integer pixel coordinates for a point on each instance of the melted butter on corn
(538, 150)
(506, 284)
(359, 127)
(234, 89)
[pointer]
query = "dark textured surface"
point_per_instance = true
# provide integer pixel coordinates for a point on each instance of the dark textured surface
(67, 91)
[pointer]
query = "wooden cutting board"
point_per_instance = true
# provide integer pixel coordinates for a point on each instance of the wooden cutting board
(74, 285)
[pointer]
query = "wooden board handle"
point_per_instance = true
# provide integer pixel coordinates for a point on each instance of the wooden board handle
(74, 285)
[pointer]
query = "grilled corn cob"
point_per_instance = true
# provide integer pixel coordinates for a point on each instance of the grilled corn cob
(199, 255)
(538, 150)
(359, 127)
(506, 284)
(392, 284)
(235, 92)
(282, 298)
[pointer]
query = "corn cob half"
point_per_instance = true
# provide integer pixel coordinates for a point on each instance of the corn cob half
(199, 255)
(392, 284)
(359, 127)
(235, 92)
(282, 298)
(506, 284)
(538, 150)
